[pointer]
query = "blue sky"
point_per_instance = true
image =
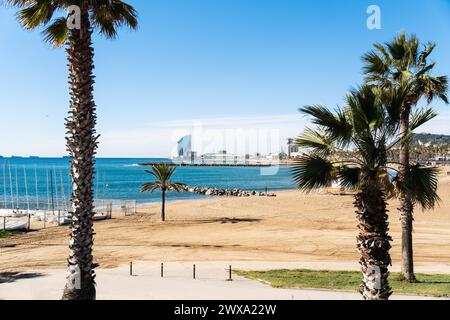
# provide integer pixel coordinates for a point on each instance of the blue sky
(214, 64)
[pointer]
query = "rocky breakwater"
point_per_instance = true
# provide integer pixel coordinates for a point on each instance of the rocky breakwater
(220, 192)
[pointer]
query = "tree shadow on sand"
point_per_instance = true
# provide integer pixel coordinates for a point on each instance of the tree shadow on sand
(224, 220)
(7, 277)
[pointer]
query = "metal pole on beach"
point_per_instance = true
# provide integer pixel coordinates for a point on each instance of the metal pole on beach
(11, 187)
(63, 194)
(69, 191)
(26, 188)
(55, 181)
(36, 187)
(51, 188)
(96, 185)
(229, 274)
(4, 184)
(17, 188)
(48, 198)
(48, 193)
(104, 186)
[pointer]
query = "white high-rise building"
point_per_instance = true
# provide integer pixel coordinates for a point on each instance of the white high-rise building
(184, 149)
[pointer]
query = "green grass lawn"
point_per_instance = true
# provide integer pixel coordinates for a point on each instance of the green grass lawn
(430, 285)
(7, 234)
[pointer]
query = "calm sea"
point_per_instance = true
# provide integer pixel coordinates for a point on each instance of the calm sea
(120, 179)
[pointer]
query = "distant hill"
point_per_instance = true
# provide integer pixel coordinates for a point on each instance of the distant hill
(431, 139)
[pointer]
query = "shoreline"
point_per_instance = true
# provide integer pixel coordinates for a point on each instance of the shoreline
(204, 197)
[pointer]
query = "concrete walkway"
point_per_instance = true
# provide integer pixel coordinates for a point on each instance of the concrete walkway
(177, 284)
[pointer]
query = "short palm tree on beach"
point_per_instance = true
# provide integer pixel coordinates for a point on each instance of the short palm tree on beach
(369, 126)
(163, 173)
(74, 29)
(395, 64)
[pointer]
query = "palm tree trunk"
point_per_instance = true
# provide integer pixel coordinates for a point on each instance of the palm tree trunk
(373, 243)
(163, 206)
(81, 144)
(406, 205)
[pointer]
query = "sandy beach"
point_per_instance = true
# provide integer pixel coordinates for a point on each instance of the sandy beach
(317, 228)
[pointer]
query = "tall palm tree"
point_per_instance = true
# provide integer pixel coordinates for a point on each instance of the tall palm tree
(163, 173)
(394, 64)
(106, 16)
(368, 125)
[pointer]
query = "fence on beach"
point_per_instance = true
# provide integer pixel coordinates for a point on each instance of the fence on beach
(23, 217)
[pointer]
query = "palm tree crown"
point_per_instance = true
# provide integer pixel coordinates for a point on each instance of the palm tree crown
(163, 173)
(403, 62)
(368, 125)
(105, 15)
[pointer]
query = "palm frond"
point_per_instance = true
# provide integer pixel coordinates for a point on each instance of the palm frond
(421, 117)
(425, 69)
(56, 33)
(162, 172)
(35, 13)
(374, 64)
(349, 177)
(109, 15)
(432, 87)
(382, 50)
(366, 108)
(397, 48)
(319, 142)
(312, 172)
(421, 183)
(395, 101)
(19, 3)
(151, 186)
(336, 125)
(425, 53)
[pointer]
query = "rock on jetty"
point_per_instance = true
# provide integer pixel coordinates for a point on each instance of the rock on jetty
(226, 192)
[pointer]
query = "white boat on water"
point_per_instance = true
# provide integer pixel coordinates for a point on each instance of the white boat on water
(13, 225)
